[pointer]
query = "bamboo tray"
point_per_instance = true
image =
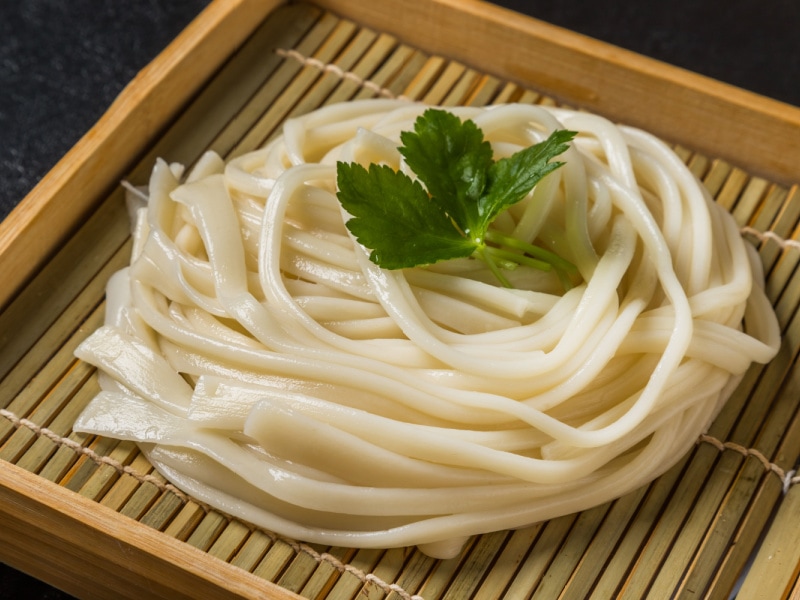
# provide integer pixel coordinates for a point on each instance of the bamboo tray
(91, 517)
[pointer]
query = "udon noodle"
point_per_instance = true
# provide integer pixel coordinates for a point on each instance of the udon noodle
(268, 368)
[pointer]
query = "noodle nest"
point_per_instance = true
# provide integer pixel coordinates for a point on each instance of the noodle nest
(268, 368)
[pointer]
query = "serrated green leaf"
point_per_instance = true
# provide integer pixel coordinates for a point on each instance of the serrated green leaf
(511, 179)
(404, 224)
(452, 159)
(394, 217)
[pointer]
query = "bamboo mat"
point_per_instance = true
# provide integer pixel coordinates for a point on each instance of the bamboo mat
(730, 505)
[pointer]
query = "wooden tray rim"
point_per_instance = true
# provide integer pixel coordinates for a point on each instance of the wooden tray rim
(43, 220)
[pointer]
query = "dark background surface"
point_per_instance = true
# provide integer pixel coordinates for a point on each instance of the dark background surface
(63, 62)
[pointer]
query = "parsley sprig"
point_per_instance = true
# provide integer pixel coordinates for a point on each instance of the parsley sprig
(404, 224)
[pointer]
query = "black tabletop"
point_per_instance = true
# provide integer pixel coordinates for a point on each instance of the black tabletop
(62, 63)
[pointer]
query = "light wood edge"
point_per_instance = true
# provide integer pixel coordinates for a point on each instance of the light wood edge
(756, 133)
(83, 535)
(47, 215)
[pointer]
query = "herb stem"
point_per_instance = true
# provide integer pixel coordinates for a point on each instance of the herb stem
(520, 259)
(551, 258)
(487, 257)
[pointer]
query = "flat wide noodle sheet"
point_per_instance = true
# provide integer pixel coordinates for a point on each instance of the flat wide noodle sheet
(270, 369)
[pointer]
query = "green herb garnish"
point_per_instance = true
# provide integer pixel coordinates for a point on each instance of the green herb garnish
(407, 225)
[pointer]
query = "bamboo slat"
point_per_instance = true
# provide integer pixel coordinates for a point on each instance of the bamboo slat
(91, 504)
(778, 560)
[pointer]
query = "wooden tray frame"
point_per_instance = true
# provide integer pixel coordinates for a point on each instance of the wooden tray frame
(89, 551)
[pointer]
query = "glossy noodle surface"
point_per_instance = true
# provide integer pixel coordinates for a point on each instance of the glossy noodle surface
(268, 368)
